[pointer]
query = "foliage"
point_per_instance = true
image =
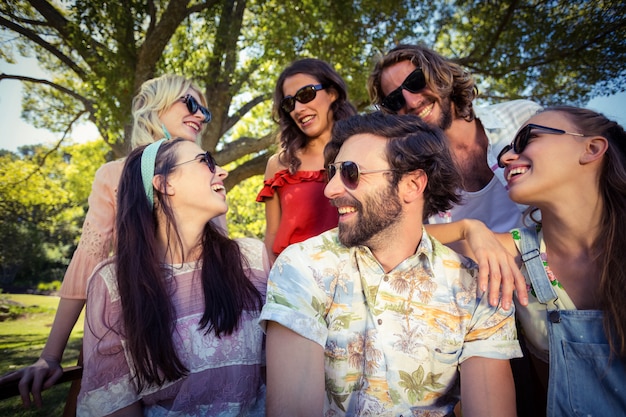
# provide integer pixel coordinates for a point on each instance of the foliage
(246, 217)
(43, 198)
(49, 287)
(100, 53)
(13, 310)
(21, 342)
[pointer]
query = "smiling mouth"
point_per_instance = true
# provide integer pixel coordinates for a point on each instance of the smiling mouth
(192, 125)
(218, 188)
(515, 172)
(306, 119)
(426, 111)
(346, 210)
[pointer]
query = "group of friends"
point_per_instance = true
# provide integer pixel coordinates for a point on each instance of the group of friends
(384, 286)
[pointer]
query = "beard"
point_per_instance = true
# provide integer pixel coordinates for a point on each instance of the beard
(375, 214)
(446, 117)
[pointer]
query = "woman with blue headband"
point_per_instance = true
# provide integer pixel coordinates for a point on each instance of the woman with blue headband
(167, 105)
(171, 320)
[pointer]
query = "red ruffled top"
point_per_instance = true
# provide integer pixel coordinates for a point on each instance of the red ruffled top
(305, 210)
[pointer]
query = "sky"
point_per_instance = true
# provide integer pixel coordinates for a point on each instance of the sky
(21, 133)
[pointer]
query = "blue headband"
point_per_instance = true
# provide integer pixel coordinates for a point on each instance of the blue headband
(148, 159)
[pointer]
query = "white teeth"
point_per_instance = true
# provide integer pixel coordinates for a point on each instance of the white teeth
(306, 119)
(516, 171)
(193, 126)
(345, 210)
(218, 187)
(426, 111)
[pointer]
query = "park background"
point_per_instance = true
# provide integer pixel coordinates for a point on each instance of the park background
(562, 51)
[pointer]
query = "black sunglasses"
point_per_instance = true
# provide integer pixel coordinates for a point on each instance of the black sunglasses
(205, 158)
(193, 106)
(303, 95)
(414, 83)
(525, 134)
(350, 173)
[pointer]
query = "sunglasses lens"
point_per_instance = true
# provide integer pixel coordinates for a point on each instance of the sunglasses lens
(501, 154)
(348, 171)
(306, 94)
(210, 161)
(521, 139)
(288, 104)
(394, 101)
(331, 171)
(303, 95)
(415, 82)
(350, 174)
(193, 106)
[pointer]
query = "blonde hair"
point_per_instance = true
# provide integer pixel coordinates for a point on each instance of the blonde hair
(154, 97)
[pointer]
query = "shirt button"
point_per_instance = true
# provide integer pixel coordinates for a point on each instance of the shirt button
(380, 321)
(386, 278)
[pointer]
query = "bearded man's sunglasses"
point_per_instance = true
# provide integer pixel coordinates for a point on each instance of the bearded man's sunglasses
(193, 106)
(350, 173)
(414, 83)
(303, 95)
(524, 136)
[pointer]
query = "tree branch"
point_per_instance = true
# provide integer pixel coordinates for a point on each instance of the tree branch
(243, 110)
(246, 170)
(87, 47)
(37, 40)
(86, 102)
(232, 151)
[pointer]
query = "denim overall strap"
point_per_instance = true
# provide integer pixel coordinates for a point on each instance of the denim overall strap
(584, 379)
(536, 272)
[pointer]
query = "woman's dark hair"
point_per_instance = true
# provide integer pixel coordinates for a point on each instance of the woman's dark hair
(145, 280)
(291, 137)
(610, 244)
(411, 145)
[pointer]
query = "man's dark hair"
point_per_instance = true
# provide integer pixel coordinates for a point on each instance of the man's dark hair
(412, 145)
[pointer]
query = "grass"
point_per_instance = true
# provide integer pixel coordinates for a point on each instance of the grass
(21, 342)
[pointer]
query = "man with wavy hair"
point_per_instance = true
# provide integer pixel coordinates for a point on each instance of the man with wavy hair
(413, 79)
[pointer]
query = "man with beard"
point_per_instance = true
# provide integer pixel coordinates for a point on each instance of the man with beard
(412, 79)
(368, 319)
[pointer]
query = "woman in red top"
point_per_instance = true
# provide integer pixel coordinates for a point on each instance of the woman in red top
(309, 97)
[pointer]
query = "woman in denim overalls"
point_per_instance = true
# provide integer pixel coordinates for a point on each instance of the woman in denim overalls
(570, 165)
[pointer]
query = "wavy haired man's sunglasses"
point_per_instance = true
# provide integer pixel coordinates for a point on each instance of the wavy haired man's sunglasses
(414, 83)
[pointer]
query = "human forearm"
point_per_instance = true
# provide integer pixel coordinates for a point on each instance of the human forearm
(64, 321)
(295, 374)
(451, 232)
(487, 388)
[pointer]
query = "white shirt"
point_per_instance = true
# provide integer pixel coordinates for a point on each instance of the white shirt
(492, 205)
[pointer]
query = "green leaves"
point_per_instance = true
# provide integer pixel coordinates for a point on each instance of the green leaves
(100, 51)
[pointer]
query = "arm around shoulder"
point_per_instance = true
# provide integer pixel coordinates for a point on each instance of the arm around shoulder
(295, 374)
